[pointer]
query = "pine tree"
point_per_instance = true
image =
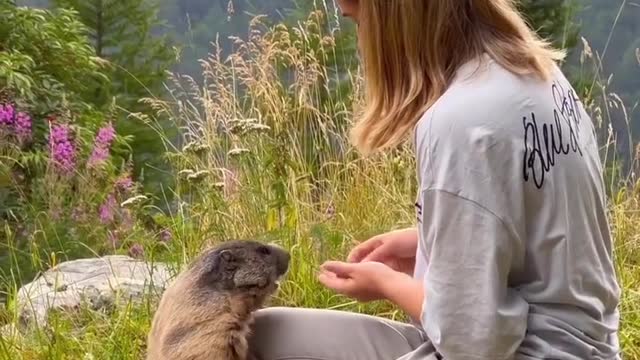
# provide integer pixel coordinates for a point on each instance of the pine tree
(124, 33)
(127, 36)
(554, 20)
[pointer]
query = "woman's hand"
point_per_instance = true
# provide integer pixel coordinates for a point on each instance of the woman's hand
(370, 281)
(396, 249)
(364, 281)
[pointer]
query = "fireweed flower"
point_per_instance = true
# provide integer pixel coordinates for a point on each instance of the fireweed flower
(136, 251)
(22, 127)
(7, 114)
(78, 214)
(165, 236)
(124, 183)
(107, 210)
(101, 146)
(62, 150)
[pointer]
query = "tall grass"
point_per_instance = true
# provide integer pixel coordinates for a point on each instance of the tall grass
(265, 155)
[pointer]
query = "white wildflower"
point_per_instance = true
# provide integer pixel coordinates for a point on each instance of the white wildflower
(237, 152)
(185, 173)
(259, 128)
(133, 200)
(219, 185)
(199, 175)
(195, 147)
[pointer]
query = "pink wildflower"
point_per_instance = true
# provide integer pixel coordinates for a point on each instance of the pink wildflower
(136, 251)
(101, 145)
(78, 214)
(62, 150)
(165, 235)
(6, 114)
(107, 209)
(22, 127)
(124, 183)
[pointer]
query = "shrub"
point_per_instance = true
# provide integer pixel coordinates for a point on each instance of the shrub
(64, 172)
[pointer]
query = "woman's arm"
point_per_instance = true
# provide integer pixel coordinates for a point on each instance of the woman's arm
(406, 292)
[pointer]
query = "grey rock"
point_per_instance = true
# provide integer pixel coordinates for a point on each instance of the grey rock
(96, 283)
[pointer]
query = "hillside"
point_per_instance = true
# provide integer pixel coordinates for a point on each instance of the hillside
(610, 27)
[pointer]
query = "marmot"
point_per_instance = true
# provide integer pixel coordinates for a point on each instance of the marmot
(206, 312)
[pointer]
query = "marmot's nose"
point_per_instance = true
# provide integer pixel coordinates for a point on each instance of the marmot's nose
(282, 258)
(285, 259)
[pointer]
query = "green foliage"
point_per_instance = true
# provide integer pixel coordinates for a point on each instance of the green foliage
(608, 68)
(125, 34)
(46, 56)
(122, 34)
(54, 215)
(553, 20)
(48, 68)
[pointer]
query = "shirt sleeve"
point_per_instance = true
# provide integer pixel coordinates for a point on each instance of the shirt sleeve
(469, 311)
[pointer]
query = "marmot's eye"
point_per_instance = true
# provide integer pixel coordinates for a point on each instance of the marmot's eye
(264, 250)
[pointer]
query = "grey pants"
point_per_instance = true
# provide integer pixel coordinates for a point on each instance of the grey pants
(308, 334)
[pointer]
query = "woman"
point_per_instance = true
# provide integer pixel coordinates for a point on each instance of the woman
(511, 257)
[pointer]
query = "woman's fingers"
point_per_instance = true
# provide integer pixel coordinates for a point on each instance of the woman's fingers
(331, 281)
(379, 254)
(336, 276)
(340, 269)
(361, 251)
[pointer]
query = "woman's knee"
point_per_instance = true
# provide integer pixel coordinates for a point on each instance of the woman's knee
(273, 317)
(304, 333)
(270, 312)
(281, 332)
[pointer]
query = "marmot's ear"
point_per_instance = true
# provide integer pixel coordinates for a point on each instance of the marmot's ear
(213, 263)
(226, 255)
(219, 261)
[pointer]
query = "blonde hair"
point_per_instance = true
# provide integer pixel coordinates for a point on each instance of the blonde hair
(411, 50)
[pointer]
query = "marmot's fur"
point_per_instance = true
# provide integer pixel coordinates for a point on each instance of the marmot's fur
(206, 312)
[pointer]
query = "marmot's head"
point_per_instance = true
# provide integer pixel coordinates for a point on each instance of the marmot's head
(241, 266)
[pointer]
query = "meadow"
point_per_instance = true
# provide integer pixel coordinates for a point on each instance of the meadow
(264, 154)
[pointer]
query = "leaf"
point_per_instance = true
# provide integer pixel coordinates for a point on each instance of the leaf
(272, 219)
(5, 177)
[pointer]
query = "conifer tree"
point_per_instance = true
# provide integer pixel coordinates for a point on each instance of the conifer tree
(127, 36)
(124, 33)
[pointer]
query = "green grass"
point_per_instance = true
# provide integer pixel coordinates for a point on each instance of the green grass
(298, 183)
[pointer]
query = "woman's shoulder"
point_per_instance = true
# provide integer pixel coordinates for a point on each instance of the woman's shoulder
(485, 99)
(489, 115)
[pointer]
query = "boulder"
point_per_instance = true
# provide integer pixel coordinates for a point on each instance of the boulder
(96, 283)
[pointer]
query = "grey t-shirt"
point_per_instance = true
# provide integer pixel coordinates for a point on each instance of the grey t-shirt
(515, 250)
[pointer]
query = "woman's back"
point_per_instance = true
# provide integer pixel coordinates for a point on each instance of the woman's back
(523, 154)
